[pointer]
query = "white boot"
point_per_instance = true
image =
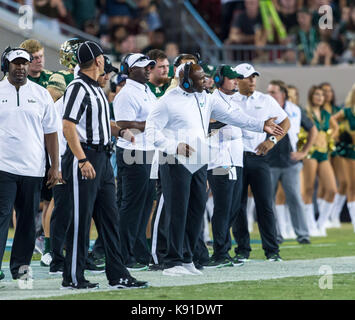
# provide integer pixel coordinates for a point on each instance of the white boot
(339, 201)
(281, 219)
(311, 220)
(351, 208)
(320, 205)
(324, 216)
(289, 227)
(250, 213)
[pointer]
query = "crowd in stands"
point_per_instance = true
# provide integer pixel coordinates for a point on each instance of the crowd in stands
(307, 36)
(295, 24)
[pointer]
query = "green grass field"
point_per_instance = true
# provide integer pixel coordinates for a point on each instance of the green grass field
(338, 243)
(293, 288)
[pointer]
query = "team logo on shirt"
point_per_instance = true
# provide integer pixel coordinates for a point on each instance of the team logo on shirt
(31, 101)
(3, 100)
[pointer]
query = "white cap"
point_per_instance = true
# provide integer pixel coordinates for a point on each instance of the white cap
(139, 60)
(246, 70)
(20, 53)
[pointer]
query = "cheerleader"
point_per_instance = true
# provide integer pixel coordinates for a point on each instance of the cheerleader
(346, 148)
(338, 164)
(317, 163)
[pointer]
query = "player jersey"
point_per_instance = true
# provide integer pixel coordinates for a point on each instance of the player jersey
(43, 79)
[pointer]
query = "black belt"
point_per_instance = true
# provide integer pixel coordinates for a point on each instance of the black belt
(98, 147)
(248, 153)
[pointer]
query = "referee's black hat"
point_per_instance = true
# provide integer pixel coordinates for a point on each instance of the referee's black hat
(87, 51)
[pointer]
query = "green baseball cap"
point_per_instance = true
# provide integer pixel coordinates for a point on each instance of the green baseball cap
(208, 69)
(230, 72)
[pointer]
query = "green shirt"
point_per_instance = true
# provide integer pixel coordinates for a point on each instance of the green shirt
(322, 125)
(43, 78)
(158, 91)
(59, 80)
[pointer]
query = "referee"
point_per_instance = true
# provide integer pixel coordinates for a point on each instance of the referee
(87, 169)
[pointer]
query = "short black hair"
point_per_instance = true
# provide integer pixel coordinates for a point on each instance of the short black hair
(87, 64)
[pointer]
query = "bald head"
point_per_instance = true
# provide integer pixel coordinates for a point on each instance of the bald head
(197, 77)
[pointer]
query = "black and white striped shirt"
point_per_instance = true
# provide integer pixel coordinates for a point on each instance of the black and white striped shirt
(85, 104)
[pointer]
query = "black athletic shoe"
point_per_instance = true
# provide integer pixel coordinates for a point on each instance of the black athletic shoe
(156, 267)
(96, 260)
(304, 241)
(220, 263)
(128, 283)
(137, 267)
(274, 257)
(199, 266)
(240, 258)
(82, 285)
(56, 270)
(90, 266)
(2, 275)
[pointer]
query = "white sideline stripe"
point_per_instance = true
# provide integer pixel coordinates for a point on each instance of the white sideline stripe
(251, 271)
(76, 220)
(155, 230)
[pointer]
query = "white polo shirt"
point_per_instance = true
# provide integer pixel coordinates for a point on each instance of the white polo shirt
(230, 138)
(25, 116)
(295, 116)
(182, 117)
(133, 103)
(260, 106)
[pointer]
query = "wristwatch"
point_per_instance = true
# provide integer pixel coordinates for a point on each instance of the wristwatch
(273, 139)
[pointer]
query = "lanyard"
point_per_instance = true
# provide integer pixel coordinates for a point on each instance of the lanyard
(199, 109)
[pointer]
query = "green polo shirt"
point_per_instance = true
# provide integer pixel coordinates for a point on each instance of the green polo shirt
(43, 79)
(158, 91)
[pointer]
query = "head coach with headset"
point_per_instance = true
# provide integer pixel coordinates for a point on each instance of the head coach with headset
(87, 169)
(28, 125)
(135, 189)
(182, 115)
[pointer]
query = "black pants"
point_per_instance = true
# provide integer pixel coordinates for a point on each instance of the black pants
(137, 196)
(185, 201)
(201, 255)
(23, 193)
(256, 173)
(88, 195)
(160, 228)
(60, 222)
(226, 198)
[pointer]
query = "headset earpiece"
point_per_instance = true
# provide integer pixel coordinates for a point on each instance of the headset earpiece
(124, 64)
(218, 77)
(187, 83)
(5, 62)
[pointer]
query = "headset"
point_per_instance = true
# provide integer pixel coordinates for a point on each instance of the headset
(218, 78)
(187, 83)
(124, 64)
(5, 62)
(177, 60)
(124, 68)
